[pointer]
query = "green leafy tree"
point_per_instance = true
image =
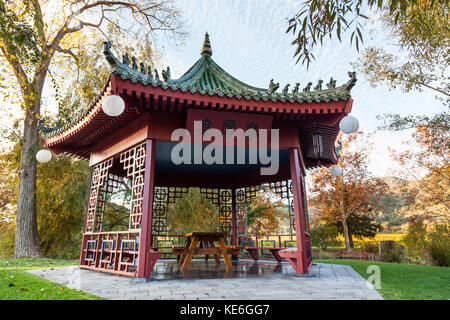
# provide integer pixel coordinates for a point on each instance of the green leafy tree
(324, 235)
(360, 226)
(264, 213)
(34, 35)
(193, 212)
(318, 20)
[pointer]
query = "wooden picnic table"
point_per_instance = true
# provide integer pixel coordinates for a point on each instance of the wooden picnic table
(207, 246)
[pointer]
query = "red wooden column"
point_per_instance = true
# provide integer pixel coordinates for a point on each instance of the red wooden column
(146, 257)
(234, 235)
(83, 238)
(296, 177)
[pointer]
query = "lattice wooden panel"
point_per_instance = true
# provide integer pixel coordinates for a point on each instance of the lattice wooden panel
(284, 190)
(241, 211)
(162, 197)
(160, 203)
(251, 192)
(211, 194)
(97, 197)
(133, 161)
(175, 193)
(225, 210)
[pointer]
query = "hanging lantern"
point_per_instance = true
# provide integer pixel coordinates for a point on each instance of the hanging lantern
(336, 171)
(113, 105)
(43, 156)
(349, 124)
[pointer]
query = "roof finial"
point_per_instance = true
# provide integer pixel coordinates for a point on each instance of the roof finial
(206, 47)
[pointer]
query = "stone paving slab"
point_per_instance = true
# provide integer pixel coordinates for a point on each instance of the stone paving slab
(324, 282)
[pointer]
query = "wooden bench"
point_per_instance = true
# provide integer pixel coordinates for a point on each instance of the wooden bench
(290, 254)
(178, 251)
(234, 250)
(253, 251)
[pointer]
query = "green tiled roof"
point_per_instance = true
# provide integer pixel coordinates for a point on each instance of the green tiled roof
(207, 77)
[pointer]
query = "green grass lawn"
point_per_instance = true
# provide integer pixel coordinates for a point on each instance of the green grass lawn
(405, 281)
(398, 281)
(17, 284)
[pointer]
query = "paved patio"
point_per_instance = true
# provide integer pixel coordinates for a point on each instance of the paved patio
(262, 280)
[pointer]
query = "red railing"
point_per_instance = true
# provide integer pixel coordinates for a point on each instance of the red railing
(115, 252)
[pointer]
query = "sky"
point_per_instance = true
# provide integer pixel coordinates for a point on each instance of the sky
(248, 40)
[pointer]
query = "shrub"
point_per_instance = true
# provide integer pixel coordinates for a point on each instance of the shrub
(7, 232)
(416, 242)
(369, 245)
(392, 253)
(324, 255)
(324, 235)
(439, 244)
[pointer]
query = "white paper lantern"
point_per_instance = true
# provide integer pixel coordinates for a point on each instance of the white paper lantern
(336, 171)
(43, 156)
(349, 124)
(113, 105)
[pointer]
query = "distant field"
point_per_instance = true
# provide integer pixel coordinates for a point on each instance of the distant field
(389, 236)
(381, 237)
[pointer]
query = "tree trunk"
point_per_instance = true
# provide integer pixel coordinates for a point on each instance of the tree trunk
(26, 243)
(346, 236)
(351, 240)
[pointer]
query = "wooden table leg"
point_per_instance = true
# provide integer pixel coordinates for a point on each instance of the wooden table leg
(216, 256)
(253, 253)
(188, 257)
(205, 245)
(186, 246)
(276, 255)
(225, 255)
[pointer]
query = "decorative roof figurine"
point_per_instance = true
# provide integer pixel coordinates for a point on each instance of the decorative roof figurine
(308, 87)
(318, 87)
(285, 89)
(295, 90)
(47, 129)
(351, 83)
(273, 87)
(134, 64)
(331, 84)
(126, 59)
(166, 74)
(156, 75)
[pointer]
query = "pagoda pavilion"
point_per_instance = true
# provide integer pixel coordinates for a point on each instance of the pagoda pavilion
(137, 145)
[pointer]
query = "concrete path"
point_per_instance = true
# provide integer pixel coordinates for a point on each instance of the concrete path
(324, 281)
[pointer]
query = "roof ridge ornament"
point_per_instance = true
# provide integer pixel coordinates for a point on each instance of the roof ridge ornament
(206, 47)
(351, 83)
(273, 87)
(108, 54)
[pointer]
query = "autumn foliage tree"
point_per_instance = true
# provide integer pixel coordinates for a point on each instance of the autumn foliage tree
(355, 192)
(428, 169)
(33, 34)
(264, 213)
